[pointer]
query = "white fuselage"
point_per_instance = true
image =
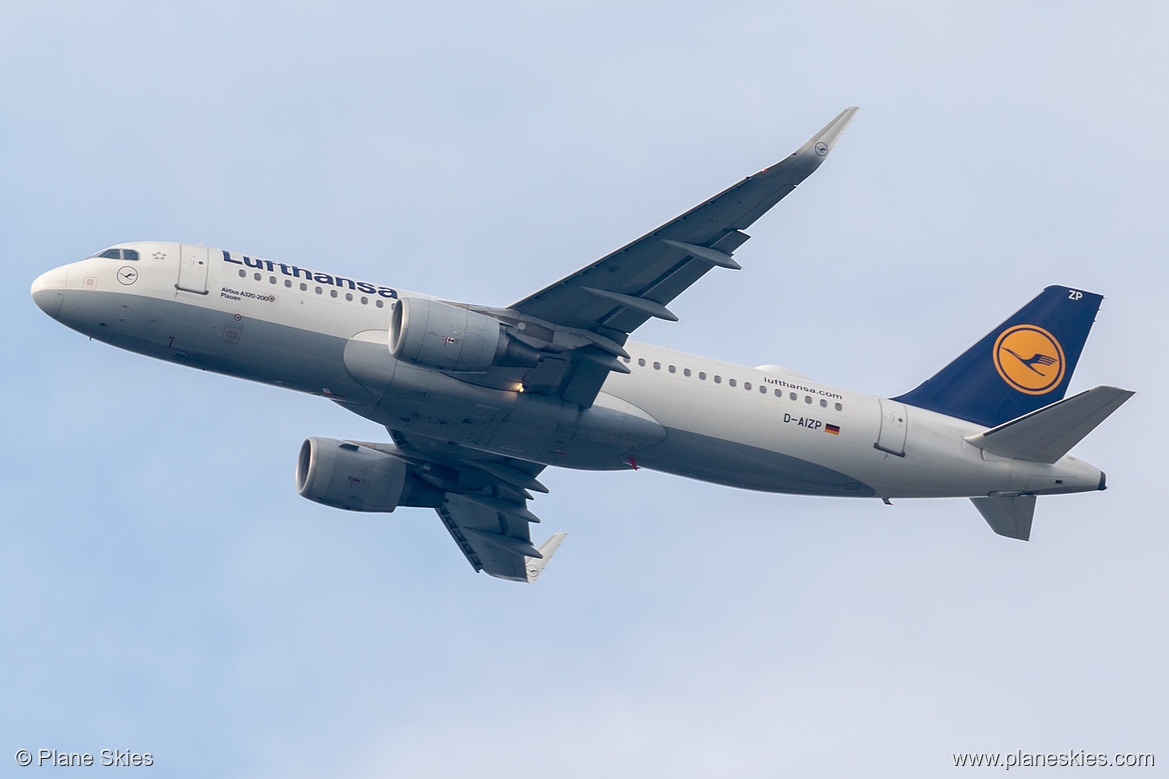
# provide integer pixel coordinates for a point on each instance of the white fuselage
(757, 429)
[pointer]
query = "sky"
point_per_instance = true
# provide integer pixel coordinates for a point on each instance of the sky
(164, 590)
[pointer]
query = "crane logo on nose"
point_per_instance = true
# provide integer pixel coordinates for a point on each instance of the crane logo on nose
(1029, 358)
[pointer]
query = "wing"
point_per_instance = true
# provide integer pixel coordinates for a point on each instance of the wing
(591, 313)
(494, 540)
(484, 506)
(616, 294)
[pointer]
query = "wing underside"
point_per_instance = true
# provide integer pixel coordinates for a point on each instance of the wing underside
(484, 506)
(493, 541)
(590, 313)
(619, 292)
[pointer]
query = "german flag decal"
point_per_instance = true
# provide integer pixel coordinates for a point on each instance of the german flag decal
(833, 429)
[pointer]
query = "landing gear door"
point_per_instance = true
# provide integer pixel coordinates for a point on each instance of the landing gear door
(192, 269)
(891, 439)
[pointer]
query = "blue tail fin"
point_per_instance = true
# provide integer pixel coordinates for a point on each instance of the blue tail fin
(1022, 365)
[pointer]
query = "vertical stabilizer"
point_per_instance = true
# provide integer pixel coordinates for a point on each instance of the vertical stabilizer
(1022, 365)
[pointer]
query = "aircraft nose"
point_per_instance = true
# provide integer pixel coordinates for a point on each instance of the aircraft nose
(48, 291)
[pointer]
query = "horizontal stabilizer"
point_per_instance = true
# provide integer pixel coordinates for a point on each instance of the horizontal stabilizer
(1048, 434)
(1010, 517)
(536, 564)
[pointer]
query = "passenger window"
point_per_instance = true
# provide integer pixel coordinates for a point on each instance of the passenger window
(839, 407)
(380, 303)
(129, 254)
(288, 282)
(808, 399)
(823, 403)
(242, 273)
(319, 290)
(271, 279)
(303, 287)
(672, 369)
(718, 379)
(364, 300)
(685, 371)
(778, 394)
(349, 296)
(657, 365)
(792, 395)
(731, 382)
(332, 293)
(257, 276)
(641, 362)
(746, 385)
(702, 375)
(762, 390)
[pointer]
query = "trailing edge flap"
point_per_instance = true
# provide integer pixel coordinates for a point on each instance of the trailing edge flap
(1010, 517)
(1049, 433)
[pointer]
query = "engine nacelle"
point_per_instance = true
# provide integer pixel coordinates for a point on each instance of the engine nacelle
(442, 336)
(357, 478)
(439, 335)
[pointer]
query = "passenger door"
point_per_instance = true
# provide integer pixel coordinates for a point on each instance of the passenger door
(192, 269)
(891, 438)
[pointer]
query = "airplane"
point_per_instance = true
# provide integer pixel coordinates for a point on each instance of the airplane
(478, 400)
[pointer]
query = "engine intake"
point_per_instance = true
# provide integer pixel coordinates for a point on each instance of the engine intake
(449, 338)
(356, 478)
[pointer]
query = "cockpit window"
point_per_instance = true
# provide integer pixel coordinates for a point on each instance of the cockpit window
(118, 254)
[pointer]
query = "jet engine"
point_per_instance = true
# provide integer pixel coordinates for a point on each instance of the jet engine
(439, 335)
(356, 478)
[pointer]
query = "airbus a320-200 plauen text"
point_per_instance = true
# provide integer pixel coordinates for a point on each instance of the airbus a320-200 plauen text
(478, 400)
